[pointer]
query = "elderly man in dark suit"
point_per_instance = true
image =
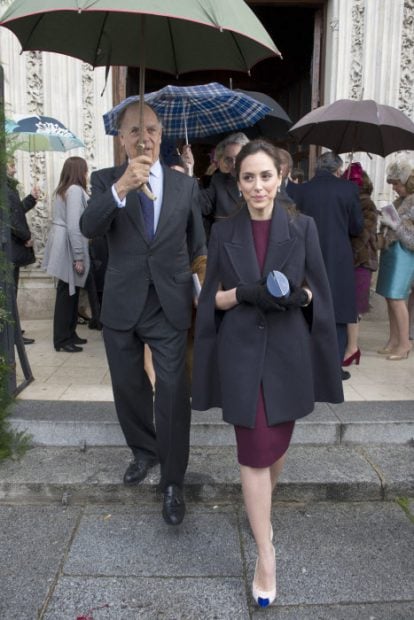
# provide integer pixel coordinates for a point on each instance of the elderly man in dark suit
(335, 206)
(147, 298)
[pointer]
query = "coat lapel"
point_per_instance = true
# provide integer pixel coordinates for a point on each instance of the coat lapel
(242, 253)
(241, 250)
(232, 190)
(171, 191)
(281, 244)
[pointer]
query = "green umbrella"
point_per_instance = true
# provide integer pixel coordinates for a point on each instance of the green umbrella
(179, 35)
(173, 36)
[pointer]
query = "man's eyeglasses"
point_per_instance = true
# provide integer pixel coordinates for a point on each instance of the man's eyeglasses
(230, 161)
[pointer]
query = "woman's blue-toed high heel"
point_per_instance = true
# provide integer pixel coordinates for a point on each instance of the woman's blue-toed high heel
(263, 598)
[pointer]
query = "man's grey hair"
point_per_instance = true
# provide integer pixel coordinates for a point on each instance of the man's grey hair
(234, 138)
(329, 161)
(121, 115)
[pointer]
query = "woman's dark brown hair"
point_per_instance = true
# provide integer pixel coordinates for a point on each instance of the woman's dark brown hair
(257, 146)
(74, 172)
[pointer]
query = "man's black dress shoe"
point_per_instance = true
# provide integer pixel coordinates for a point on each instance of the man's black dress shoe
(28, 340)
(345, 375)
(69, 348)
(137, 470)
(173, 509)
(78, 340)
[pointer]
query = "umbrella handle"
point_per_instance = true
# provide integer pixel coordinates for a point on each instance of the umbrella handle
(145, 190)
(144, 187)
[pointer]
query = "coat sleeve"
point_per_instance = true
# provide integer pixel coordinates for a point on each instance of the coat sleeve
(356, 219)
(320, 316)
(196, 238)
(405, 229)
(75, 202)
(101, 209)
(205, 382)
(28, 202)
(18, 223)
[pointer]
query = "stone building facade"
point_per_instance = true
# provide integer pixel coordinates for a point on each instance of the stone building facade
(368, 53)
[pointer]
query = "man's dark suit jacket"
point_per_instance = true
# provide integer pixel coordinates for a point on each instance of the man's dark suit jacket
(220, 199)
(134, 262)
(336, 208)
(20, 231)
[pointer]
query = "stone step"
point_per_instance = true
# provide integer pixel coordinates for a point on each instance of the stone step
(312, 473)
(94, 423)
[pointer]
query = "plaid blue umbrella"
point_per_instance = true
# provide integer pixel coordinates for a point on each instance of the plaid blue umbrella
(41, 133)
(195, 111)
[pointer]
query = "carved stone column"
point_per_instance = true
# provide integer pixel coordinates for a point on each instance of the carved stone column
(357, 63)
(406, 90)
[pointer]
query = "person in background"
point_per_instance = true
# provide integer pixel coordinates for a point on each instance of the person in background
(265, 360)
(222, 197)
(297, 175)
(411, 312)
(287, 187)
(396, 269)
(153, 248)
(364, 248)
(22, 253)
(335, 205)
(67, 253)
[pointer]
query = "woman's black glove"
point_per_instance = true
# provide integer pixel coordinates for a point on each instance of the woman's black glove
(258, 295)
(298, 297)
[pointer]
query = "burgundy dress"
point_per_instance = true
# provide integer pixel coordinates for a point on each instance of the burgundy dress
(262, 445)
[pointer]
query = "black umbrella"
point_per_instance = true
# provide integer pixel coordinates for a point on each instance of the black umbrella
(348, 126)
(274, 125)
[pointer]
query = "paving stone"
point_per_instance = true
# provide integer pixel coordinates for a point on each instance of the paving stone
(33, 541)
(130, 598)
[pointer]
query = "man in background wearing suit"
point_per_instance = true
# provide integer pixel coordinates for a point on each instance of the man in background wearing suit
(336, 208)
(152, 248)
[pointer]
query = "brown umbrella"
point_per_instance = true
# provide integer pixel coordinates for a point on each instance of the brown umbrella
(348, 126)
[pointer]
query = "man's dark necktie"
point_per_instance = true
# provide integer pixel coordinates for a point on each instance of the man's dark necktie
(147, 206)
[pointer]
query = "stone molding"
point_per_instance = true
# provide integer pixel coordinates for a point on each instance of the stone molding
(406, 90)
(357, 50)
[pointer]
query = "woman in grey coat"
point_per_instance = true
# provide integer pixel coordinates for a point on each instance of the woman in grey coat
(66, 253)
(265, 360)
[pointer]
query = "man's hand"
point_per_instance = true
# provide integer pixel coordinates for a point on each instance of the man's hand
(28, 243)
(136, 174)
(36, 192)
(187, 158)
(79, 267)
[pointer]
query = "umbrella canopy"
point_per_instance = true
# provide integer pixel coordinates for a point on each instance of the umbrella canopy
(41, 133)
(348, 126)
(189, 35)
(276, 122)
(166, 35)
(195, 111)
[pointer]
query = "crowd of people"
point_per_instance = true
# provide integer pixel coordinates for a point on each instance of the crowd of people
(264, 356)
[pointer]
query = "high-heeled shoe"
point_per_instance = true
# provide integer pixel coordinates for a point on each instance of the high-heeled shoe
(263, 598)
(394, 357)
(355, 357)
(384, 351)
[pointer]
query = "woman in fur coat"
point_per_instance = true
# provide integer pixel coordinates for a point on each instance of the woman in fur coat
(396, 271)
